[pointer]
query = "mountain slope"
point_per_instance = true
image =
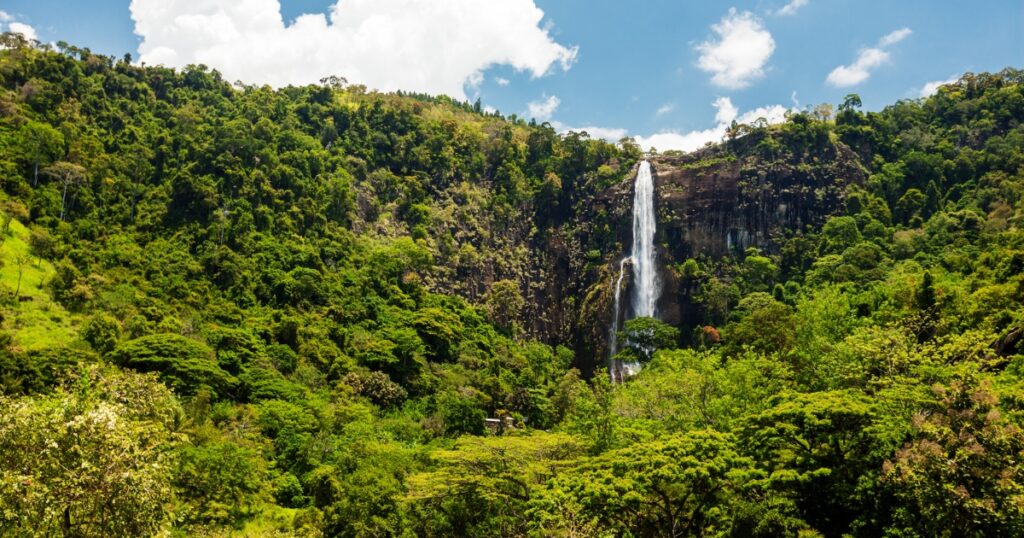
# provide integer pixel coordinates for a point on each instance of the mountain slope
(330, 311)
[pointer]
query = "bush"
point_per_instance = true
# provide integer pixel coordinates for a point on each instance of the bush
(103, 332)
(182, 363)
(377, 387)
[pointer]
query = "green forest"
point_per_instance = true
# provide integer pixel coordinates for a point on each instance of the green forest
(232, 310)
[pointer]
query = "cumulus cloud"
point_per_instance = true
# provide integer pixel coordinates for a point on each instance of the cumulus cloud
(739, 54)
(725, 113)
(8, 23)
(665, 109)
(543, 110)
(930, 88)
(432, 46)
(867, 60)
(611, 134)
(23, 29)
(791, 8)
(501, 81)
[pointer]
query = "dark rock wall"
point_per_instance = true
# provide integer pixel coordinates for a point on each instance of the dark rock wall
(715, 203)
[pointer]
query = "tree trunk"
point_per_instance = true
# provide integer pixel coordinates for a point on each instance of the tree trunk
(63, 200)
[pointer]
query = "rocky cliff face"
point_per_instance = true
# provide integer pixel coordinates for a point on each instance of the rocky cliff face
(718, 202)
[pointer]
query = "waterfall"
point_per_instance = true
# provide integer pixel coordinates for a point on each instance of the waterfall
(613, 342)
(646, 287)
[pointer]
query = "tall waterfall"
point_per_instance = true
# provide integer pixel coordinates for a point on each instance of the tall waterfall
(646, 287)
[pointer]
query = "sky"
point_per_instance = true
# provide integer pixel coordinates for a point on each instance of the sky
(670, 73)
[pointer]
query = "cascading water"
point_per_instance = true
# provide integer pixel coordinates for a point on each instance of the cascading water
(646, 287)
(613, 346)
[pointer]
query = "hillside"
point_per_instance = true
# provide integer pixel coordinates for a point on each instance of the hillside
(329, 311)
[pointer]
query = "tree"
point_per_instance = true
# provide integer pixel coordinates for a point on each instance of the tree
(68, 174)
(504, 303)
(685, 485)
(103, 332)
(961, 472)
(220, 481)
(91, 459)
(483, 486)
(21, 260)
(839, 234)
(850, 102)
(924, 296)
(759, 272)
(460, 415)
(184, 364)
(763, 323)
(642, 336)
(42, 143)
(821, 447)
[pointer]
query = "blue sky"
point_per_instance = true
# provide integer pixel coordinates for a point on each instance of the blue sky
(669, 72)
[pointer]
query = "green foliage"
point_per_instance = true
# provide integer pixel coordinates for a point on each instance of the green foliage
(342, 285)
(483, 486)
(103, 332)
(761, 323)
(680, 486)
(643, 336)
(91, 459)
(460, 415)
(220, 480)
(960, 474)
(820, 446)
(184, 364)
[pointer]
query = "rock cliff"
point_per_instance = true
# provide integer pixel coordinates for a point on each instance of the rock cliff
(714, 203)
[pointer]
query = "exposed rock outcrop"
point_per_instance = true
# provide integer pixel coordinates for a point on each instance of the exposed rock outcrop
(717, 202)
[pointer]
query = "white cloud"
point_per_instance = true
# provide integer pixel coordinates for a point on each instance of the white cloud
(673, 140)
(433, 46)
(894, 37)
(23, 29)
(725, 113)
(739, 55)
(475, 79)
(791, 8)
(8, 23)
(611, 134)
(543, 110)
(867, 60)
(858, 71)
(665, 109)
(501, 81)
(772, 114)
(930, 88)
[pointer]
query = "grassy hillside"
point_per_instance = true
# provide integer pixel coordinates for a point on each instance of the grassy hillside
(31, 316)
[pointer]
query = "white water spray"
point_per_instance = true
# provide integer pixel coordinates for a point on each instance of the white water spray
(646, 287)
(613, 345)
